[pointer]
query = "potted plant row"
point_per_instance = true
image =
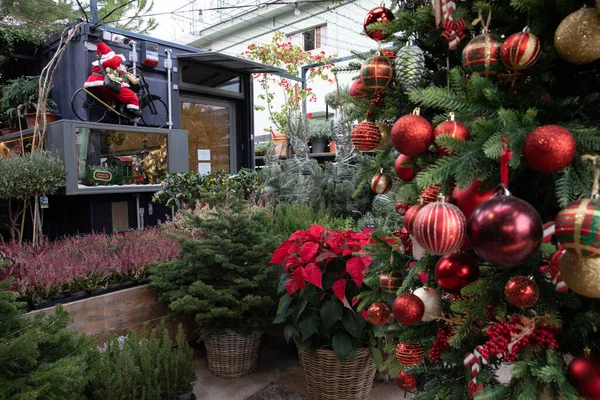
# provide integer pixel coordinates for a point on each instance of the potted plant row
(323, 275)
(23, 92)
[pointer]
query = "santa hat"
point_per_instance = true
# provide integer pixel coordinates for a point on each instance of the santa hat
(105, 53)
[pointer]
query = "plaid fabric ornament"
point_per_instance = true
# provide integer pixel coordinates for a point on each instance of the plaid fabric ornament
(377, 73)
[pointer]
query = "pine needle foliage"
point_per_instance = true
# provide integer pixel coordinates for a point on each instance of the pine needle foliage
(223, 277)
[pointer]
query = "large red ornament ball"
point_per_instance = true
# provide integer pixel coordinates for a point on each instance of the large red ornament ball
(440, 228)
(577, 227)
(520, 50)
(378, 14)
(482, 55)
(469, 198)
(505, 230)
(584, 375)
(377, 73)
(409, 217)
(365, 136)
(521, 291)
(357, 89)
(404, 168)
(381, 183)
(412, 135)
(378, 313)
(406, 382)
(390, 283)
(410, 353)
(549, 148)
(408, 309)
(455, 271)
(451, 128)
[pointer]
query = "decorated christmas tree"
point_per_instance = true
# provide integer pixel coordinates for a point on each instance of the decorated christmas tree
(494, 109)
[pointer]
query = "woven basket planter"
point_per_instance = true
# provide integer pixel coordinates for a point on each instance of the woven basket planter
(231, 354)
(328, 379)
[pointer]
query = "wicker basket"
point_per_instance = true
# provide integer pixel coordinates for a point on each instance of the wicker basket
(328, 379)
(231, 354)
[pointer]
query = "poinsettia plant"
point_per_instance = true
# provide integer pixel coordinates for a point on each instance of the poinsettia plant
(323, 275)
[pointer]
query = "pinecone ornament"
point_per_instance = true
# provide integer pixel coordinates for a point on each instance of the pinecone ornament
(410, 65)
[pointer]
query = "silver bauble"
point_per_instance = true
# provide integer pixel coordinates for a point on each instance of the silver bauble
(410, 66)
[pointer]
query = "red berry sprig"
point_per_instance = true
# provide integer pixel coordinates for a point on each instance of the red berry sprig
(440, 344)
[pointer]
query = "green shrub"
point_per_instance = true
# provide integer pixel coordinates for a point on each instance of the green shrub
(223, 277)
(288, 218)
(319, 129)
(145, 367)
(40, 358)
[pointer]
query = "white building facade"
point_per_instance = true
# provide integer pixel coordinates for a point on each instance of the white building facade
(230, 26)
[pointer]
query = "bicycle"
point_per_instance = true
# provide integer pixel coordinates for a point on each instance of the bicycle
(90, 106)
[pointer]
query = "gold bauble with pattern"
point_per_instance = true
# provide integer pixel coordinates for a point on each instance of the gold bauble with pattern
(386, 136)
(581, 274)
(577, 38)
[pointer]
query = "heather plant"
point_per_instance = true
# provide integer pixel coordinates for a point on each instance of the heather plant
(84, 263)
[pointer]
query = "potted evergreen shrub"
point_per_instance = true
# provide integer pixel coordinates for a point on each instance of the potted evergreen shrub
(320, 133)
(223, 278)
(324, 272)
(261, 149)
(23, 92)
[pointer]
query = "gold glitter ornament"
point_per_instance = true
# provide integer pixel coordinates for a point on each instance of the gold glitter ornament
(386, 136)
(581, 274)
(577, 38)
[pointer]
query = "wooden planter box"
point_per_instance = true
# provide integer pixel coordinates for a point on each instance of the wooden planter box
(119, 312)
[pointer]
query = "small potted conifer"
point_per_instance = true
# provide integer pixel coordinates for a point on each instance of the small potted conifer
(320, 133)
(223, 278)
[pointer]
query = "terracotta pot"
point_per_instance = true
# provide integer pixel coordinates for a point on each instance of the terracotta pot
(281, 144)
(30, 118)
(8, 131)
(332, 147)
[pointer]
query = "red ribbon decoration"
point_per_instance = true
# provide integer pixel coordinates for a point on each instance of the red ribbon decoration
(454, 32)
(504, 160)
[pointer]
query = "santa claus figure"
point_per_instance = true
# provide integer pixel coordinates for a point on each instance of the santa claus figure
(112, 64)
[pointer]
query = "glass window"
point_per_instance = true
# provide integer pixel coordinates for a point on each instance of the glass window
(199, 75)
(208, 135)
(115, 157)
(309, 40)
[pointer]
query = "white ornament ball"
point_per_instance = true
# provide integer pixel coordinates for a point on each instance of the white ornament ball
(417, 251)
(433, 303)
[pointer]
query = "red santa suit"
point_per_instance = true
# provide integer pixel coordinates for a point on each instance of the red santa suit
(96, 80)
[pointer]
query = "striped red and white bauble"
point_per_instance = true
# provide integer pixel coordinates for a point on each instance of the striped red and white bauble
(381, 183)
(365, 136)
(440, 228)
(520, 50)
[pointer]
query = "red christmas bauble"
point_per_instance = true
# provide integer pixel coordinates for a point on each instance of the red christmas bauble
(357, 89)
(365, 136)
(578, 227)
(408, 309)
(404, 169)
(378, 14)
(377, 73)
(521, 291)
(410, 353)
(378, 313)
(455, 271)
(469, 198)
(440, 228)
(584, 375)
(549, 149)
(474, 388)
(389, 53)
(482, 55)
(406, 382)
(430, 194)
(391, 283)
(505, 230)
(451, 128)
(412, 135)
(520, 50)
(381, 183)
(409, 217)
(401, 208)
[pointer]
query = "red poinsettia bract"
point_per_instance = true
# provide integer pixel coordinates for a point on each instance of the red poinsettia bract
(306, 254)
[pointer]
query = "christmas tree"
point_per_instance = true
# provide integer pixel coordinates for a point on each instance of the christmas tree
(486, 93)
